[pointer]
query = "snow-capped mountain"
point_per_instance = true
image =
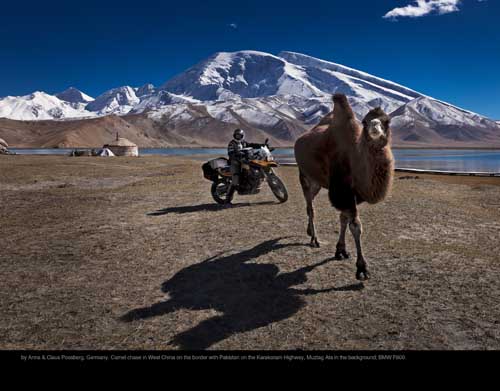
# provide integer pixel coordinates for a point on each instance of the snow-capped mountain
(283, 95)
(73, 95)
(424, 117)
(288, 93)
(39, 106)
(245, 74)
(158, 100)
(277, 95)
(358, 78)
(115, 101)
(146, 89)
(274, 115)
(250, 74)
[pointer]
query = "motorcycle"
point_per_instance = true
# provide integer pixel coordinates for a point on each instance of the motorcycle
(257, 165)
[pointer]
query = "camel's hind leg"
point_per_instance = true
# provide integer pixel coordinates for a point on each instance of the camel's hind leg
(310, 189)
(341, 252)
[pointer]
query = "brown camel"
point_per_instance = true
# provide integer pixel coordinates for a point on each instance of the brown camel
(353, 162)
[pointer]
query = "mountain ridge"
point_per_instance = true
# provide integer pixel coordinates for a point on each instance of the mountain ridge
(280, 96)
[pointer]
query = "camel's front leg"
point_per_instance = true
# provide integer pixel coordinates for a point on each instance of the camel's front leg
(341, 252)
(356, 229)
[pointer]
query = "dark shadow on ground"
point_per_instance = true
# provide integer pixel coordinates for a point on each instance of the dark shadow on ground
(249, 295)
(205, 208)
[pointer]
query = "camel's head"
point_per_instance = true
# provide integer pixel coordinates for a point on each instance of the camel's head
(376, 126)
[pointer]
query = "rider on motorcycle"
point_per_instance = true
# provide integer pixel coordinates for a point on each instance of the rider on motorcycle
(234, 150)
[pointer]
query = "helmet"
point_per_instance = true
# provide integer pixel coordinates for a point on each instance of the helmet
(239, 134)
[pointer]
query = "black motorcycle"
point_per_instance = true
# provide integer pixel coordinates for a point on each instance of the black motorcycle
(256, 166)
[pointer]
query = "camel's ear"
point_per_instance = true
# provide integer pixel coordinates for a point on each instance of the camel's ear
(386, 121)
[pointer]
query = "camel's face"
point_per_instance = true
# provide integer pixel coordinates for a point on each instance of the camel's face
(375, 129)
(376, 126)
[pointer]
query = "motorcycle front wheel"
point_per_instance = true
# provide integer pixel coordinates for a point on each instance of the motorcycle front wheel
(277, 187)
(220, 192)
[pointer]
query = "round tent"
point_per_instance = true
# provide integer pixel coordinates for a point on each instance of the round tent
(123, 147)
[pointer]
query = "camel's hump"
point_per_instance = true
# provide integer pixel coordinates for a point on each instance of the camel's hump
(341, 107)
(340, 99)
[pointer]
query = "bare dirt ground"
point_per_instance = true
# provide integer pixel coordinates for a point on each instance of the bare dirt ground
(132, 253)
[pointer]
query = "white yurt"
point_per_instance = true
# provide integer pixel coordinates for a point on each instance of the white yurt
(123, 147)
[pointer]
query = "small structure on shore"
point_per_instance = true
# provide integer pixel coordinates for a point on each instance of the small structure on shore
(122, 147)
(106, 152)
(4, 147)
(83, 152)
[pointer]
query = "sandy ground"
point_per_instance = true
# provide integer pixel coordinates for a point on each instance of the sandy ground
(132, 253)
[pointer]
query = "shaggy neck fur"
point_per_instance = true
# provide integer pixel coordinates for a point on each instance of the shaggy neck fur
(373, 166)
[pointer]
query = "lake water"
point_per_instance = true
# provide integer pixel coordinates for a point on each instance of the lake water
(463, 160)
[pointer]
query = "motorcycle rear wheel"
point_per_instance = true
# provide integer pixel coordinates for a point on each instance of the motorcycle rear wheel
(277, 187)
(220, 193)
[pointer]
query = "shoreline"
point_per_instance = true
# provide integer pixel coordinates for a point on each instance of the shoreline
(482, 148)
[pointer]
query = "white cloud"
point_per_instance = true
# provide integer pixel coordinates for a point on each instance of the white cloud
(233, 26)
(424, 7)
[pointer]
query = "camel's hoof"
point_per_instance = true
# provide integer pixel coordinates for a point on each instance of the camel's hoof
(314, 243)
(341, 254)
(362, 274)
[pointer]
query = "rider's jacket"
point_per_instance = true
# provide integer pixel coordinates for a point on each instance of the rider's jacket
(235, 146)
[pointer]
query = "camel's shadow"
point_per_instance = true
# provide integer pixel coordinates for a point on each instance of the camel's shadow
(205, 208)
(249, 295)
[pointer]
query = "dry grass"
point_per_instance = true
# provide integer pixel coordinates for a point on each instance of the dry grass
(132, 253)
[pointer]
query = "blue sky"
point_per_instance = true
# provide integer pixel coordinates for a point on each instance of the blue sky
(97, 45)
